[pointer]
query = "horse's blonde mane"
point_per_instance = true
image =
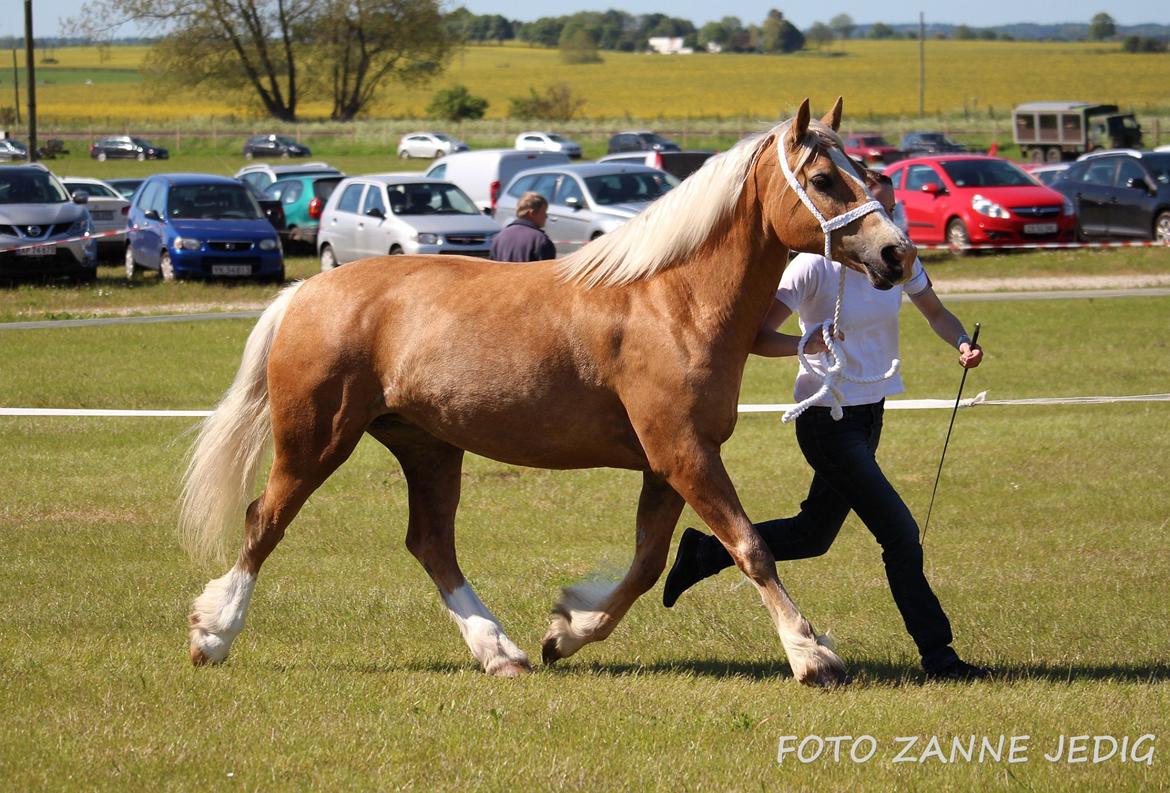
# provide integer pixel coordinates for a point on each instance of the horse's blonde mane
(674, 226)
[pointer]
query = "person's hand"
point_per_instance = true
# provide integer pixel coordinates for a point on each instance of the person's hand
(816, 344)
(970, 355)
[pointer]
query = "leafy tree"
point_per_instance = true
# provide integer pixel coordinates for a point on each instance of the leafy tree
(842, 25)
(964, 33)
(578, 45)
(777, 34)
(880, 30)
(714, 33)
(1102, 27)
(456, 104)
(557, 103)
(819, 34)
(545, 32)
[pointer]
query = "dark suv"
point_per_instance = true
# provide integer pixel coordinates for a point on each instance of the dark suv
(126, 147)
(640, 140)
(1121, 193)
(916, 143)
(274, 146)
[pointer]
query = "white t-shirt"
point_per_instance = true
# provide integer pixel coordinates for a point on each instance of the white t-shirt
(869, 319)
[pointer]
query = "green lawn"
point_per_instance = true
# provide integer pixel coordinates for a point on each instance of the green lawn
(1047, 547)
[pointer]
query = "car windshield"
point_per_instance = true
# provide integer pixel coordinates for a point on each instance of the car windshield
(555, 137)
(985, 173)
(441, 136)
(30, 187)
(626, 188)
(140, 142)
(1159, 166)
(285, 141)
(650, 137)
(211, 202)
(430, 198)
(94, 190)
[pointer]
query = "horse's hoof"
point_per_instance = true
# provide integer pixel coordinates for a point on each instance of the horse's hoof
(548, 651)
(511, 669)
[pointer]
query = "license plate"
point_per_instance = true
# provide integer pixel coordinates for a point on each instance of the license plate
(1040, 228)
(101, 214)
(231, 269)
(38, 250)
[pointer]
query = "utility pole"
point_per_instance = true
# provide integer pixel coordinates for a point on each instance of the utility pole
(30, 65)
(16, 86)
(922, 63)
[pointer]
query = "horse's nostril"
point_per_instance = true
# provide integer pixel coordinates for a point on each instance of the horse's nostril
(892, 256)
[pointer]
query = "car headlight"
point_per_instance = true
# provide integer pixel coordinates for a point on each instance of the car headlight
(269, 244)
(428, 239)
(985, 206)
(1069, 207)
(187, 244)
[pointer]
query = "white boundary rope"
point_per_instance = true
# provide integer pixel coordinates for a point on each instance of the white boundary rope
(979, 400)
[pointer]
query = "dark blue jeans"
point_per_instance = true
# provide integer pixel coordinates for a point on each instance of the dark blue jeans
(847, 477)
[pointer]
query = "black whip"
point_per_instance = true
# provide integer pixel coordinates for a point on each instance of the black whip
(926, 525)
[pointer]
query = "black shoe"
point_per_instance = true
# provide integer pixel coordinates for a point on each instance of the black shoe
(687, 571)
(959, 670)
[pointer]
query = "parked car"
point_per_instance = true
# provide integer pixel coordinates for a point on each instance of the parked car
(303, 199)
(586, 200)
(274, 146)
(201, 226)
(640, 140)
(126, 147)
(548, 141)
(400, 213)
(916, 143)
(108, 210)
(1055, 131)
(261, 175)
(126, 187)
(964, 199)
(12, 150)
(1121, 194)
(679, 164)
(42, 230)
(1046, 173)
(432, 145)
(871, 148)
(482, 173)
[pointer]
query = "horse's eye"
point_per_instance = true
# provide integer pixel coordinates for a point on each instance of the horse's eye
(822, 181)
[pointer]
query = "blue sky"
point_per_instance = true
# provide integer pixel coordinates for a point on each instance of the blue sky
(48, 14)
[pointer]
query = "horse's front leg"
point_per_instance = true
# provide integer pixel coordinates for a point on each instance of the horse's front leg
(589, 612)
(697, 473)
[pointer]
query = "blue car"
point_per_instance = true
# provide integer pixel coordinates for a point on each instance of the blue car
(194, 225)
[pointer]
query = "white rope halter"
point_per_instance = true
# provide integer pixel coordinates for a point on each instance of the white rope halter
(829, 391)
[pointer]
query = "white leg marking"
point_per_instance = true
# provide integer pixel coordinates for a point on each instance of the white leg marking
(577, 618)
(218, 614)
(482, 632)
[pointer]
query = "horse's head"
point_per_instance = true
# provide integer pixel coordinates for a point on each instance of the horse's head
(816, 173)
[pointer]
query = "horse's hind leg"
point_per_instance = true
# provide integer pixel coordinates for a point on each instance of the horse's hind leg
(589, 612)
(433, 470)
(301, 462)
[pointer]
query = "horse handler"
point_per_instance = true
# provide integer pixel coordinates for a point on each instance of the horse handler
(842, 453)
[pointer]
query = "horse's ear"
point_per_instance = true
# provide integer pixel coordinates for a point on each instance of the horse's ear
(799, 127)
(833, 117)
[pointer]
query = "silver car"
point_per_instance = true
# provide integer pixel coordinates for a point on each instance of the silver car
(432, 145)
(587, 200)
(108, 210)
(539, 140)
(400, 213)
(43, 232)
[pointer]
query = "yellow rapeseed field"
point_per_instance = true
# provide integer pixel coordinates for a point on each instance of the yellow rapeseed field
(879, 79)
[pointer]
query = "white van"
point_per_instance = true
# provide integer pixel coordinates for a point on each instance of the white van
(483, 173)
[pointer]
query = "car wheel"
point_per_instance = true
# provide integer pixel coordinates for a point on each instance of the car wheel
(404, 155)
(166, 267)
(284, 155)
(141, 156)
(395, 250)
(132, 268)
(1053, 155)
(438, 154)
(1162, 228)
(87, 276)
(957, 237)
(328, 260)
(101, 156)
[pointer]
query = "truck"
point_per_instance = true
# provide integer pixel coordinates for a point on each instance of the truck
(1056, 131)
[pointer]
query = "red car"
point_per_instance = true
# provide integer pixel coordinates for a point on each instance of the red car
(871, 148)
(971, 199)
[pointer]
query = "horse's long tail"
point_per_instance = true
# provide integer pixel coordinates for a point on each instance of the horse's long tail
(221, 468)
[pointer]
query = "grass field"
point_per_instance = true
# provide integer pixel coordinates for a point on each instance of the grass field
(879, 79)
(1047, 547)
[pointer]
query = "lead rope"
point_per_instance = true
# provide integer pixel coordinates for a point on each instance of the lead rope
(835, 372)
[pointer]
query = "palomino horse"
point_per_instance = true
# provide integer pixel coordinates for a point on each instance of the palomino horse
(626, 354)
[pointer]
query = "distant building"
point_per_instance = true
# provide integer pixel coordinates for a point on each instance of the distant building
(669, 45)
